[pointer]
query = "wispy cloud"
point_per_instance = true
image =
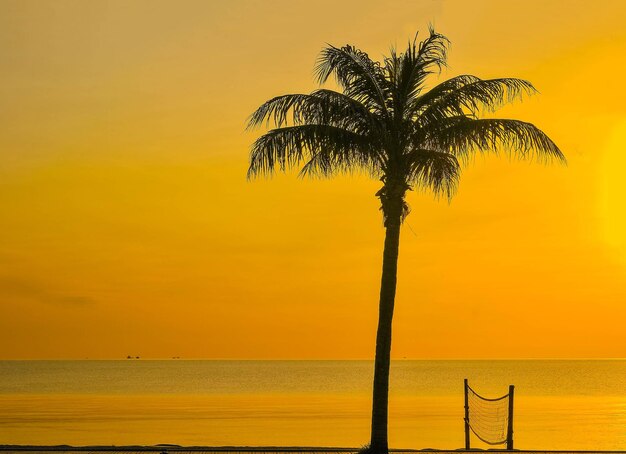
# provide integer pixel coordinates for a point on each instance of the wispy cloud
(20, 288)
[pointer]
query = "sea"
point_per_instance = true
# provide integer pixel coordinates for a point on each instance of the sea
(558, 404)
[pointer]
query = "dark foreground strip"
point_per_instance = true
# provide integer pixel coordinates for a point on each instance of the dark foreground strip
(165, 449)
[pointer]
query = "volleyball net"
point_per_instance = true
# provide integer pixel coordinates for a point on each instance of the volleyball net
(489, 419)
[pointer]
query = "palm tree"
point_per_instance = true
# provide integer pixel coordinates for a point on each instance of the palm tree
(386, 123)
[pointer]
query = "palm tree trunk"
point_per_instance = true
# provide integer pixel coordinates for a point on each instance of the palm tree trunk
(379, 443)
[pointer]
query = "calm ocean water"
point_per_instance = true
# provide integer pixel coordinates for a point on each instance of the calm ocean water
(558, 404)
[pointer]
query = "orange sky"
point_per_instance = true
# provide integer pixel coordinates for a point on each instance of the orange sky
(128, 226)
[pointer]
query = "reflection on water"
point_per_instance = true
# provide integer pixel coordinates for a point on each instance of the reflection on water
(559, 404)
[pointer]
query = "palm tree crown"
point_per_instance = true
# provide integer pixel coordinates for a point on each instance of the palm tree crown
(385, 122)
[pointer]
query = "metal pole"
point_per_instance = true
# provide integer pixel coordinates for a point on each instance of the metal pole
(509, 431)
(467, 428)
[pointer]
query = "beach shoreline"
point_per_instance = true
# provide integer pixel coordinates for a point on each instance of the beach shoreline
(165, 448)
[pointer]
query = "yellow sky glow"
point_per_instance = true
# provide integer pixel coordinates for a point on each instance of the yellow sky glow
(128, 226)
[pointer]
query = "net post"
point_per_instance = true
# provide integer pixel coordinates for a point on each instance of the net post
(509, 431)
(467, 429)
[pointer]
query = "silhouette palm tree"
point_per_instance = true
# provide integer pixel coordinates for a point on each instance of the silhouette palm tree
(386, 123)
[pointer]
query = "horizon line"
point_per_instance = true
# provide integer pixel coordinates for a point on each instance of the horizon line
(169, 358)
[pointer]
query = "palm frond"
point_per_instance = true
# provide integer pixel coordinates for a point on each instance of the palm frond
(433, 51)
(434, 170)
(276, 110)
(441, 90)
(349, 113)
(409, 69)
(360, 77)
(522, 139)
(320, 107)
(473, 98)
(322, 149)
